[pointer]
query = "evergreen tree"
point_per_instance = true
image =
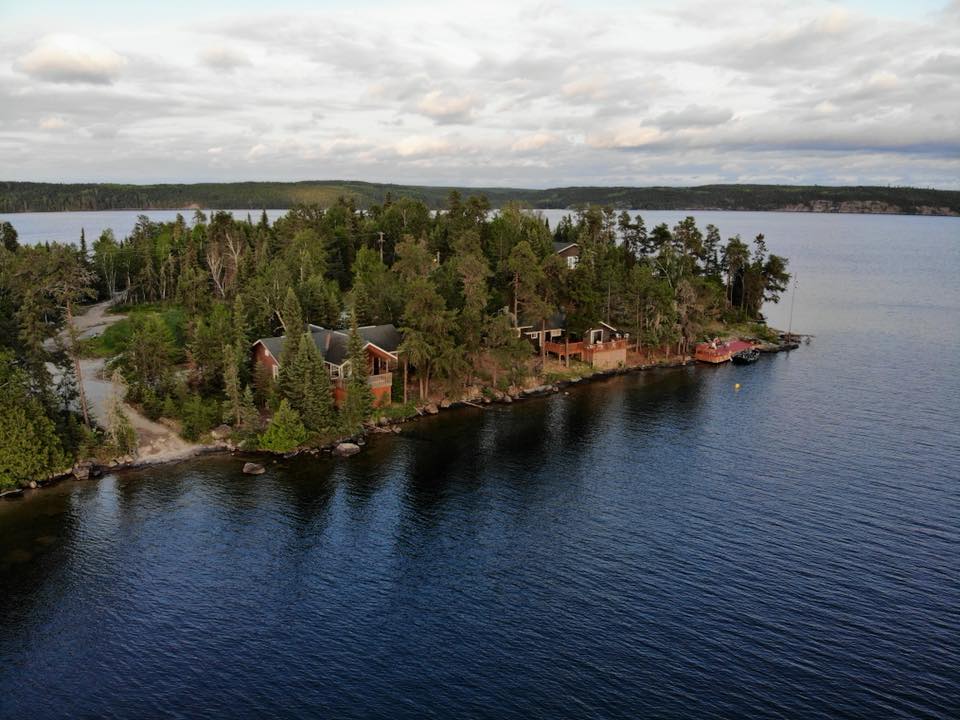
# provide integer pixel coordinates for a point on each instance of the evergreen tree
(285, 431)
(314, 397)
(358, 404)
(30, 448)
(233, 405)
(249, 417)
(120, 435)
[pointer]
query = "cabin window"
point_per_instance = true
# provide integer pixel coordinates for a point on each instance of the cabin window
(572, 261)
(276, 371)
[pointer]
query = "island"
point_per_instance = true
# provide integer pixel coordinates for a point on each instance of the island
(335, 321)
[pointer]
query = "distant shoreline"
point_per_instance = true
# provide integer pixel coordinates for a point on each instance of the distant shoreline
(21, 197)
(786, 211)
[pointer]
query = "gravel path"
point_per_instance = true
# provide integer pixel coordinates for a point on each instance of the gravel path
(155, 441)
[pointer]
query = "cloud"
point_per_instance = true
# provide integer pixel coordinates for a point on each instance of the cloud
(53, 123)
(421, 146)
(543, 93)
(226, 59)
(693, 116)
(447, 109)
(626, 138)
(66, 58)
(537, 141)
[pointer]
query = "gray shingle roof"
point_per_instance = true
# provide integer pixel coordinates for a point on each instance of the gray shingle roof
(333, 343)
(558, 246)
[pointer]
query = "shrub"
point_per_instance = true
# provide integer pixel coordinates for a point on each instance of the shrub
(285, 431)
(199, 415)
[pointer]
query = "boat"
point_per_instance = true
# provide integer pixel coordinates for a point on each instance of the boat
(746, 357)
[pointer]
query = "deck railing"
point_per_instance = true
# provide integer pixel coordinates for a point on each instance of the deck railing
(381, 380)
(564, 348)
(620, 344)
(374, 381)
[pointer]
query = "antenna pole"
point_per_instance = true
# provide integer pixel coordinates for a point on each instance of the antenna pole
(793, 298)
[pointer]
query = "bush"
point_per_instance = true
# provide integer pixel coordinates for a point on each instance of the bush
(199, 415)
(285, 431)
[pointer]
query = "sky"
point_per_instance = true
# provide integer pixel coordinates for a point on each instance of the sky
(523, 94)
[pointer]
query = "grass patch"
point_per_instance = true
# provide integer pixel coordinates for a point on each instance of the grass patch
(115, 338)
(396, 411)
(558, 373)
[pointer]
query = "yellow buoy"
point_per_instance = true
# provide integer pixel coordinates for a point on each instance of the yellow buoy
(737, 386)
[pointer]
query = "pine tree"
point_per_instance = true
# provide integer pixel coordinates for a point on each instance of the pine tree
(292, 318)
(312, 396)
(249, 417)
(285, 431)
(293, 328)
(121, 436)
(233, 405)
(359, 401)
(241, 338)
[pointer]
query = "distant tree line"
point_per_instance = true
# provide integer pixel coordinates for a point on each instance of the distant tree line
(42, 197)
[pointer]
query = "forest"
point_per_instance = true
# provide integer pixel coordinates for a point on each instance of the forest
(43, 197)
(200, 290)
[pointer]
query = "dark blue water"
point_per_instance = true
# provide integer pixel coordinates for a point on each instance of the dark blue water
(656, 545)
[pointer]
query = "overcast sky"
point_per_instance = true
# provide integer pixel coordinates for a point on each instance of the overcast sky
(531, 94)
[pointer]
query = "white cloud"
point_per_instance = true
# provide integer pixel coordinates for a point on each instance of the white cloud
(67, 58)
(625, 138)
(539, 93)
(444, 108)
(422, 145)
(224, 58)
(537, 141)
(53, 123)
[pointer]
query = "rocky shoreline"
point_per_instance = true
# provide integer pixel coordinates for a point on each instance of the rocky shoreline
(353, 444)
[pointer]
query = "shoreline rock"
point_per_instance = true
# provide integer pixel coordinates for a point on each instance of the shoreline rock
(346, 449)
(252, 468)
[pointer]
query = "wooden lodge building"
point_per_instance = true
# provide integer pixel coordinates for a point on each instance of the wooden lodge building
(380, 348)
(568, 251)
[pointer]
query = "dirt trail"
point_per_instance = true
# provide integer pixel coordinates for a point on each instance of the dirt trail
(155, 441)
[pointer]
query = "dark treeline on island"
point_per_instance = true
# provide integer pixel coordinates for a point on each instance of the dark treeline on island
(52, 197)
(359, 308)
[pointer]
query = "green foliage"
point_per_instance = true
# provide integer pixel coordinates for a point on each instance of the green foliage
(120, 436)
(30, 447)
(358, 403)
(306, 386)
(285, 431)
(199, 415)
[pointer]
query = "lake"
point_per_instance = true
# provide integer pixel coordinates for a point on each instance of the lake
(654, 545)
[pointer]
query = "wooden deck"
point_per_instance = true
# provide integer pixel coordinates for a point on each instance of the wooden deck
(562, 350)
(721, 353)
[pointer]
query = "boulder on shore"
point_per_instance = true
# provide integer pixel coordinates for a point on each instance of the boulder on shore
(221, 432)
(431, 409)
(346, 449)
(252, 468)
(84, 470)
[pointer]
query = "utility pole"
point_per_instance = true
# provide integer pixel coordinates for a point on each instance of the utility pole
(793, 297)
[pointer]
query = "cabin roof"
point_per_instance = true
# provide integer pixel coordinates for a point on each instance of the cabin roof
(333, 344)
(555, 321)
(559, 247)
